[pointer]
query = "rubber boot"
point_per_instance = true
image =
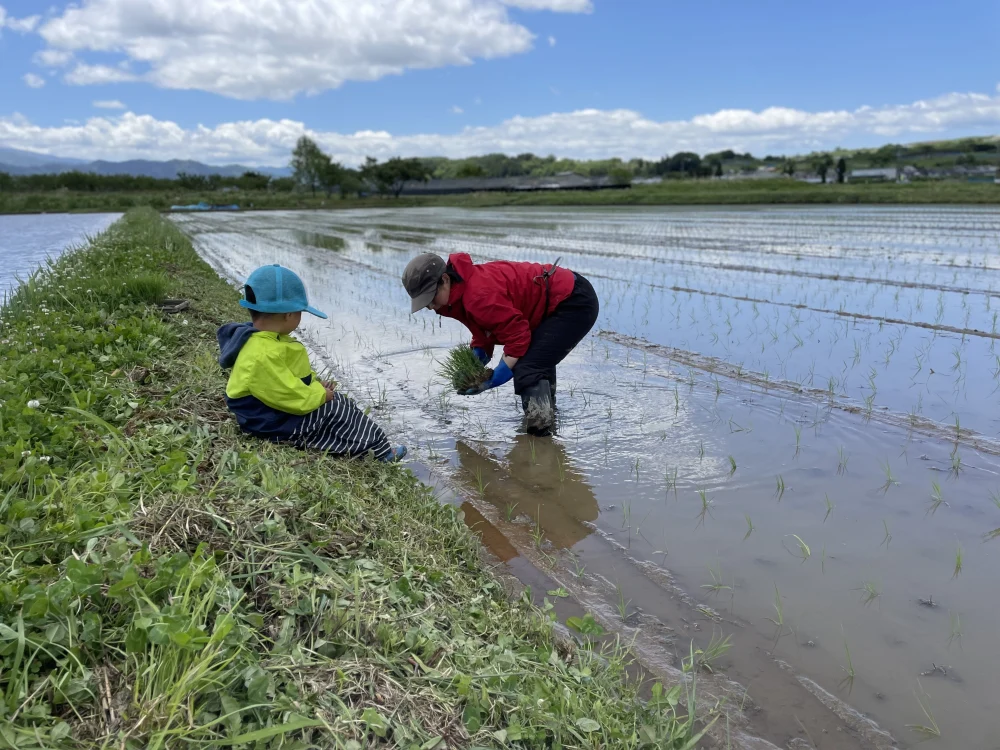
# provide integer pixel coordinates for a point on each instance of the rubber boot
(539, 414)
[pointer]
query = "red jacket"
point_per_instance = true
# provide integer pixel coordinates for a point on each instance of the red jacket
(501, 302)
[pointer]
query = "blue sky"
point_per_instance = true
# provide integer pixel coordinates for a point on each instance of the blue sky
(584, 78)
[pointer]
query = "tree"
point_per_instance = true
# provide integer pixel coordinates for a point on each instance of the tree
(390, 176)
(841, 169)
(192, 181)
(718, 169)
(330, 174)
(620, 176)
(350, 182)
(308, 163)
(885, 156)
(471, 169)
(823, 166)
(253, 181)
(788, 167)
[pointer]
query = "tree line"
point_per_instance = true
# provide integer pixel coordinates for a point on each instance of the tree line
(315, 171)
(90, 182)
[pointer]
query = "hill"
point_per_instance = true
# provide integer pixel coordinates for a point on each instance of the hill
(18, 162)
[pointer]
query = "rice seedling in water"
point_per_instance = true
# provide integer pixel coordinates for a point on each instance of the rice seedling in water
(779, 616)
(798, 439)
(780, 486)
(937, 499)
(888, 537)
(958, 562)
(510, 511)
(672, 480)
(750, 527)
(480, 484)
(716, 585)
(801, 549)
(732, 466)
(462, 368)
(869, 592)
(621, 605)
(890, 481)
(842, 459)
(848, 681)
(929, 730)
(703, 658)
(956, 461)
(706, 507)
(955, 633)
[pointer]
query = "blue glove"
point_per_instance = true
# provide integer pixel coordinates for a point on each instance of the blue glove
(501, 375)
(481, 354)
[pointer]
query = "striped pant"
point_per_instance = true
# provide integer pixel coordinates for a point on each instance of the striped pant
(340, 428)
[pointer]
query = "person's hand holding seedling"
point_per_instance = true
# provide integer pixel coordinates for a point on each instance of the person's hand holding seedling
(331, 388)
(502, 374)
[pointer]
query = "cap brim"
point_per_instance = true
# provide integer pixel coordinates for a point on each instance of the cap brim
(422, 300)
(317, 313)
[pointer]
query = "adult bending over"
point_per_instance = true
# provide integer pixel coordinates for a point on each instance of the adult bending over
(537, 312)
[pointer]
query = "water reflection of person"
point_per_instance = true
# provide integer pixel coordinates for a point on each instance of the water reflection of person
(538, 481)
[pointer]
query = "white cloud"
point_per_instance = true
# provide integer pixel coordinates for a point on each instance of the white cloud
(557, 6)
(33, 81)
(22, 25)
(586, 133)
(86, 75)
(456, 110)
(552, 41)
(109, 104)
(279, 48)
(53, 58)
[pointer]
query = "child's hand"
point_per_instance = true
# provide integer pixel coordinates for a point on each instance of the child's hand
(331, 389)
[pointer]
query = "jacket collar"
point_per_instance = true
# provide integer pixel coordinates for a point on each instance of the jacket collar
(462, 263)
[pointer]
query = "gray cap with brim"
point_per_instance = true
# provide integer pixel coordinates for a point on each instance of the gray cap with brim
(421, 277)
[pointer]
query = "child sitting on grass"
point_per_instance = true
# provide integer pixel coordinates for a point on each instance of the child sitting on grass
(274, 392)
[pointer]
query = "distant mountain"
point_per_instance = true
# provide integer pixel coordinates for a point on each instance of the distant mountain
(25, 159)
(14, 161)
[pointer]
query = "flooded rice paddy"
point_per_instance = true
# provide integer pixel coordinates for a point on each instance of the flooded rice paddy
(26, 242)
(783, 431)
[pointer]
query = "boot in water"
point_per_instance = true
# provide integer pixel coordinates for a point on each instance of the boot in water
(539, 413)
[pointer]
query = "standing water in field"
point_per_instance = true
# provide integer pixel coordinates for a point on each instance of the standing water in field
(782, 441)
(26, 242)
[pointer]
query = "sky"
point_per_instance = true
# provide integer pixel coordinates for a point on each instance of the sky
(239, 81)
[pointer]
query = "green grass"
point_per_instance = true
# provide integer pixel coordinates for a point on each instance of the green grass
(670, 192)
(169, 583)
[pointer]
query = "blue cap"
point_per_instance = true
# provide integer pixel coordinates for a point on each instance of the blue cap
(275, 289)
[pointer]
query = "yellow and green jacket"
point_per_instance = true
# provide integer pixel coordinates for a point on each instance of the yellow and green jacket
(272, 386)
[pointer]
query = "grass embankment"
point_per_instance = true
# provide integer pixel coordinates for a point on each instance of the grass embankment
(167, 582)
(672, 192)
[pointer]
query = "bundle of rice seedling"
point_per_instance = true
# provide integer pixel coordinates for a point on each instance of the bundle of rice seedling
(462, 368)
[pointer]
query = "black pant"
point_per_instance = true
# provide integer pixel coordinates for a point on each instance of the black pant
(556, 336)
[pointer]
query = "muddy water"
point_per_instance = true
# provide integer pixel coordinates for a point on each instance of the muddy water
(865, 451)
